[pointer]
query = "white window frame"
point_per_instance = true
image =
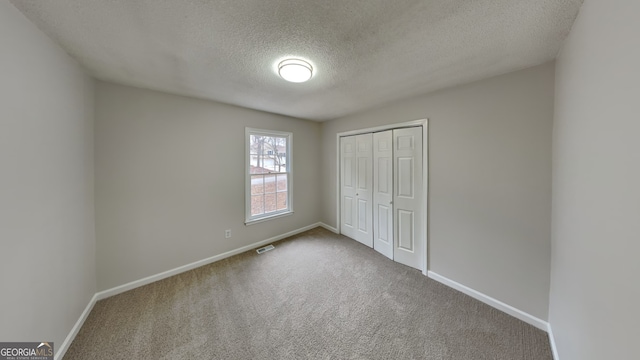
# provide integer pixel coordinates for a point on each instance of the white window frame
(247, 174)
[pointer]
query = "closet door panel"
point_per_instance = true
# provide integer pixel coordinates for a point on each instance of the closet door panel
(356, 187)
(348, 186)
(407, 180)
(383, 193)
(364, 189)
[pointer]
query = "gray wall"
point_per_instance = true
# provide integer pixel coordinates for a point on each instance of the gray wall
(595, 290)
(170, 180)
(47, 271)
(490, 181)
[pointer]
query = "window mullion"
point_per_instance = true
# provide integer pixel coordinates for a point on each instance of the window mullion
(264, 193)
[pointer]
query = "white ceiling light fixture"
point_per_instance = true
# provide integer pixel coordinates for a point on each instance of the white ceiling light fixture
(295, 70)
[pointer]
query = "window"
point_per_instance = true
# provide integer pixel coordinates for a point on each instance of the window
(268, 174)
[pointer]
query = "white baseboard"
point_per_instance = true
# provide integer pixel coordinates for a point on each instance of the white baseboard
(517, 313)
(76, 328)
(530, 319)
(330, 228)
(153, 278)
(552, 341)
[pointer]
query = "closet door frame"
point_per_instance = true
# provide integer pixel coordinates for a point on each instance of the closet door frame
(425, 178)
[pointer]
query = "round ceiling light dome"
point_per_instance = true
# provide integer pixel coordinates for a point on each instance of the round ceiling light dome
(295, 70)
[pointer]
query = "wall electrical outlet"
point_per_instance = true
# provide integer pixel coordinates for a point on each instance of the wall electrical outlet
(227, 233)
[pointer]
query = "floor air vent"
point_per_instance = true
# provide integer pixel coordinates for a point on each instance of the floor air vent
(265, 249)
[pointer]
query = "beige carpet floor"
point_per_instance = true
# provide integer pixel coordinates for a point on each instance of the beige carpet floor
(316, 296)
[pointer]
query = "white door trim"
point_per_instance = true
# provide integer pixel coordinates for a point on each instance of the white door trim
(425, 176)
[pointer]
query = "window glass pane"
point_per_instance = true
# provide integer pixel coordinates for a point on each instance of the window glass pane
(277, 149)
(257, 154)
(282, 182)
(267, 154)
(268, 164)
(282, 200)
(258, 170)
(269, 183)
(257, 207)
(269, 203)
(257, 184)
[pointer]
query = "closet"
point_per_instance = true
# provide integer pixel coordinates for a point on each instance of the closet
(381, 192)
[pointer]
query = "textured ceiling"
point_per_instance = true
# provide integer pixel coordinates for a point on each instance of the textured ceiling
(365, 52)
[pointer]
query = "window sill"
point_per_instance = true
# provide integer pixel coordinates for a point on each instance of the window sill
(266, 218)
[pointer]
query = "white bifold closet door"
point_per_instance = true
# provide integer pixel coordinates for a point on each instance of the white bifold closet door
(383, 193)
(408, 216)
(356, 187)
(381, 198)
